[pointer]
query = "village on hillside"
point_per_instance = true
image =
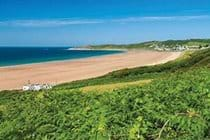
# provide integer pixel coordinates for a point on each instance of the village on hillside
(163, 47)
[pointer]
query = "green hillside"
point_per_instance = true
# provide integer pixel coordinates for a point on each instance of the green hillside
(188, 61)
(144, 45)
(167, 101)
(190, 43)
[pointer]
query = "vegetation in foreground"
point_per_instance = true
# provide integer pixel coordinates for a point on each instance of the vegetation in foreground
(174, 105)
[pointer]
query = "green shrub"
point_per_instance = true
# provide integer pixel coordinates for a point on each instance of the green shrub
(176, 107)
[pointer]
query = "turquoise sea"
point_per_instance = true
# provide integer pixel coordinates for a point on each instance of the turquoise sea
(26, 55)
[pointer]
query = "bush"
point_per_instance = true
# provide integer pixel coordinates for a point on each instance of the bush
(176, 107)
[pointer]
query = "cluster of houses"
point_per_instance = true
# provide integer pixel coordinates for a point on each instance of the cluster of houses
(178, 48)
(36, 87)
(175, 48)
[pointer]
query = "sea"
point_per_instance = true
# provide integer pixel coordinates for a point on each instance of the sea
(10, 56)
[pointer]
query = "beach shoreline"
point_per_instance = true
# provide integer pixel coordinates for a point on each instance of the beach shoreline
(62, 60)
(57, 72)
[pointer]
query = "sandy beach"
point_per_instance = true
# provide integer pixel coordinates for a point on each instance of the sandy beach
(15, 77)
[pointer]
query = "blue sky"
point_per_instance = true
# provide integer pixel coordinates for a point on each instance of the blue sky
(83, 22)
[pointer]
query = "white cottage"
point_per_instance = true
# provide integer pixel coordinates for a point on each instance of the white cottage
(36, 87)
(26, 88)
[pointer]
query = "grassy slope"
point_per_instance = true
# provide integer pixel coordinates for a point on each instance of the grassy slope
(147, 45)
(144, 45)
(179, 103)
(111, 87)
(190, 60)
(175, 105)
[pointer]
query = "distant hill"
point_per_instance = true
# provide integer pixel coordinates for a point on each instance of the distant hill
(170, 44)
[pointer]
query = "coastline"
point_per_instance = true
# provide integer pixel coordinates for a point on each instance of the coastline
(60, 59)
(57, 72)
(63, 60)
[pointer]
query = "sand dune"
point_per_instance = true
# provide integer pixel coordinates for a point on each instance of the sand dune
(65, 71)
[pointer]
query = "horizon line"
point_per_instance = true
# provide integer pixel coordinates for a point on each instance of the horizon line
(66, 46)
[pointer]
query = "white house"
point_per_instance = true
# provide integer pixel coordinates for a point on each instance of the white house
(36, 87)
(26, 88)
(46, 86)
